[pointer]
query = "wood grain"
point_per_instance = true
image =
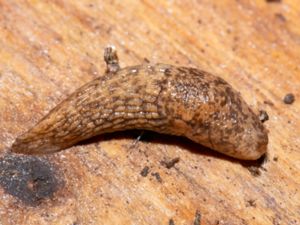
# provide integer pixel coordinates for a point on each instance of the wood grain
(50, 48)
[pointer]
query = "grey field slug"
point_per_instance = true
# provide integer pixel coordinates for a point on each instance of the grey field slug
(162, 98)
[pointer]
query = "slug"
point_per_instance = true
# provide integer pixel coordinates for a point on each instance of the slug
(158, 97)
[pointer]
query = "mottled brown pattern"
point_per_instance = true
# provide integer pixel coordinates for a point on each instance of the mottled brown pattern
(163, 98)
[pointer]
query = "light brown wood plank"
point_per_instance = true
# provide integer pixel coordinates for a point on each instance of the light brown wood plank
(50, 48)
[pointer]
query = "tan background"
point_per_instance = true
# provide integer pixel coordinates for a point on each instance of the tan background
(50, 48)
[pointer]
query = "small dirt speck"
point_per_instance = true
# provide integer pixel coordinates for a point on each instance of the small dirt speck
(267, 102)
(170, 163)
(251, 203)
(263, 116)
(254, 171)
(280, 17)
(171, 222)
(146, 60)
(197, 220)
(157, 176)
(255, 167)
(145, 171)
(273, 1)
(289, 98)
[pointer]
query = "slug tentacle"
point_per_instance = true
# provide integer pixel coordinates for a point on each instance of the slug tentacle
(163, 98)
(111, 59)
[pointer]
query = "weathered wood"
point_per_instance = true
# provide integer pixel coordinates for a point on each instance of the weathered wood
(50, 48)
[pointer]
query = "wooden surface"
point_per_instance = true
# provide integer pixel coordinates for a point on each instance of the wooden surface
(50, 48)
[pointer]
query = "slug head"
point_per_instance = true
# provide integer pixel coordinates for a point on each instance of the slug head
(207, 110)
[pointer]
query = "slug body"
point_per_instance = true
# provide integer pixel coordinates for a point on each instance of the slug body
(162, 98)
